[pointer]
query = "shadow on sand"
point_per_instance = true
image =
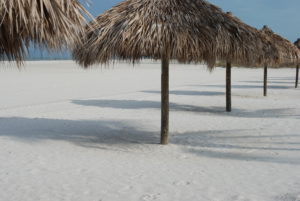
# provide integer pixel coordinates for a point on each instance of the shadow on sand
(143, 104)
(282, 78)
(246, 86)
(122, 136)
(241, 145)
(220, 111)
(80, 132)
(270, 82)
(189, 93)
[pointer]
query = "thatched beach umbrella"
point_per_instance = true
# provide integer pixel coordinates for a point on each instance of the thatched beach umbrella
(187, 31)
(287, 54)
(297, 43)
(264, 48)
(52, 24)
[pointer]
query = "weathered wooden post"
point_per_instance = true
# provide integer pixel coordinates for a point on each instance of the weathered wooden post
(297, 43)
(228, 86)
(165, 100)
(265, 80)
(297, 76)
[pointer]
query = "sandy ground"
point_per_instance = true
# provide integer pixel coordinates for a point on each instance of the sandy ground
(68, 134)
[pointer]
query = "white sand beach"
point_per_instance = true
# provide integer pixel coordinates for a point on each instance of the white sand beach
(69, 134)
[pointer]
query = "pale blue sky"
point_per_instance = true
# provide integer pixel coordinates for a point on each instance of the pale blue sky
(283, 16)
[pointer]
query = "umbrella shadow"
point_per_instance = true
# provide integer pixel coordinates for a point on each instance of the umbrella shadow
(240, 145)
(86, 133)
(143, 104)
(236, 139)
(220, 111)
(189, 93)
(245, 86)
(270, 82)
(282, 78)
(244, 156)
(122, 136)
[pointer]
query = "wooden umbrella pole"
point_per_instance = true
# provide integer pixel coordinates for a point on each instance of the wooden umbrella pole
(265, 80)
(228, 87)
(165, 101)
(297, 76)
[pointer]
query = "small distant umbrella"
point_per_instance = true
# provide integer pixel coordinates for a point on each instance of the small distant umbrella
(286, 54)
(187, 31)
(52, 24)
(297, 43)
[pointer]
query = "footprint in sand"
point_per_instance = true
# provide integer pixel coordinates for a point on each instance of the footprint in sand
(239, 198)
(125, 189)
(150, 197)
(182, 183)
(288, 197)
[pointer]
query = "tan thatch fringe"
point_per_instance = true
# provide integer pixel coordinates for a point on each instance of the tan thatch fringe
(47, 23)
